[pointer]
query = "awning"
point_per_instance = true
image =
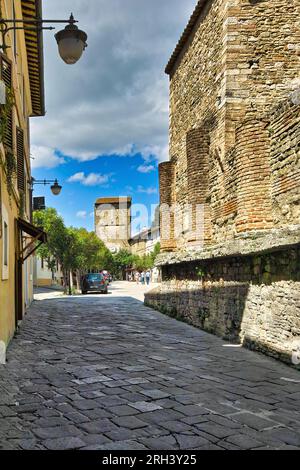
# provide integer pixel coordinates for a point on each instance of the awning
(29, 244)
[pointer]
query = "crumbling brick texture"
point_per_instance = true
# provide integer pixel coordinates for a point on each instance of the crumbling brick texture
(253, 174)
(197, 146)
(285, 163)
(166, 184)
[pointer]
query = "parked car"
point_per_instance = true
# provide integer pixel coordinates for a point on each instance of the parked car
(93, 282)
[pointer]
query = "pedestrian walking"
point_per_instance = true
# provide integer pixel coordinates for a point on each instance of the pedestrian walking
(148, 276)
(143, 277)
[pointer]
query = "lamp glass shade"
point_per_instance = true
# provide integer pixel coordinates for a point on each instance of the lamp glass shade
(71, 43)
(70, 50)
(56, 189)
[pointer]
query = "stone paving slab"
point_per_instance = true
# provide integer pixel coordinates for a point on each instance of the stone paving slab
(106, 372)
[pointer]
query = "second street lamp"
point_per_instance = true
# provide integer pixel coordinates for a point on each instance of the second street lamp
(55, 188)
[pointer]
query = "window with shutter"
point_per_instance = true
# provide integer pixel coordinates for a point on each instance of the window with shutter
(20, 159)
(6, 76)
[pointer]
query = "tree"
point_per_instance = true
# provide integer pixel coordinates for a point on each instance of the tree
(121, 261)
(57, 237)
(75, 249)
(90, 253)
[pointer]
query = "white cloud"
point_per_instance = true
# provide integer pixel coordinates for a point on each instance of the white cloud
(150, 190)
(92, 179)
(81, 214)
(78, 177)
(44, 157)
(146, 168)
(115, 99)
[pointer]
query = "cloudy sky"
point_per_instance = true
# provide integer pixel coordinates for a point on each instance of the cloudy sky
(106, 127)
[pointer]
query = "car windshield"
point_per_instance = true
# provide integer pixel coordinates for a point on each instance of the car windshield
(94, 277)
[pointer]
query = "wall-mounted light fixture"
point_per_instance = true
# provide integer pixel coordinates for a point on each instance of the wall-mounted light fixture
(71, 40)
(55, 187)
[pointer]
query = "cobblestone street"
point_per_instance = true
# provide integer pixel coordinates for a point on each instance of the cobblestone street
(106, 372)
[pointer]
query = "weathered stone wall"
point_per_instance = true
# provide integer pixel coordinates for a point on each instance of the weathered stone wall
(194, 90)
(235, 148)
(253, 300)
(285, 162)
(241, 59)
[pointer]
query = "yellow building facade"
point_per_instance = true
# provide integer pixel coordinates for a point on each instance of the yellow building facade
(21, 97)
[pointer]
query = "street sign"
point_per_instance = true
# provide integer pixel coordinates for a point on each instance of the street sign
(39, 204)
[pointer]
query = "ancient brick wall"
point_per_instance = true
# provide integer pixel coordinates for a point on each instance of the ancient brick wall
(166, 184)
(253, 175)
(194, 89)
(240, 61)
(197, 146)
(285, 162)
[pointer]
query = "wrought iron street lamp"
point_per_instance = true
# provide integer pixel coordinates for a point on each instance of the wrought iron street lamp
(71, 40)
(55, 187)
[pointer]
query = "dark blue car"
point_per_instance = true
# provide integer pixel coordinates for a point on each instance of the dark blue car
(93, 283)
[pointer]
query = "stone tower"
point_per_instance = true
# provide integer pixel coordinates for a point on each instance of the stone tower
(113, 222)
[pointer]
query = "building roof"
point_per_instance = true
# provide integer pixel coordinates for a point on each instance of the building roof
(32, 9)
(185, 35)
(144, 234)
(113, 200)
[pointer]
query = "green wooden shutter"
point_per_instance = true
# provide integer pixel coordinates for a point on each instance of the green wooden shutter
(6, 76)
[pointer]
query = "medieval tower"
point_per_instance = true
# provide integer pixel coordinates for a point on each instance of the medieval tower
(113, 222)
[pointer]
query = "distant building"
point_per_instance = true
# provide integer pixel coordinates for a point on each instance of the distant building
(143, 243)
(113, 222)
(43, 276)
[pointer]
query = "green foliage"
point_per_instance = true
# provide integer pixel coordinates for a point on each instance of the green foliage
(143, 263)
(74, 248)
(90, 253)
(124, 259)
(5, 112)
(9, 163)
(10, 167)
(200, 273)
(58, 241)
(120, 262)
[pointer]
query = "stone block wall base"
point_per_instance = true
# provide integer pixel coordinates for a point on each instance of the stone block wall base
(252, 300)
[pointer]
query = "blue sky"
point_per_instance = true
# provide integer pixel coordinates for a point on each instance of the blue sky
(106, 126)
